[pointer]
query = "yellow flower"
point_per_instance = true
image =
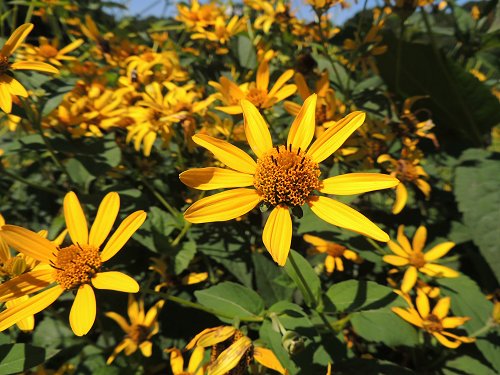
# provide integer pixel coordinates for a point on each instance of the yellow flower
(255, 92)
(221, 33)
(49, 51)
(334, 252)
(167, 280)
(9, 85)
(143, 325)
(194, 365)
(72, 268)
(283, 177)
(198, 15)
(412, 256)
(436, 321)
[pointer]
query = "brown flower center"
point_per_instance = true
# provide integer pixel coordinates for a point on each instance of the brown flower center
(406, 171)
(257, 96)
(432, 323)
(417, 259)
(4, 63)
(138, 333)
(286, 177)
(335, 250)
(76, 265)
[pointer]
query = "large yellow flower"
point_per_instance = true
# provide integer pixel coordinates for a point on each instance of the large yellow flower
(72, 268)
(436, 321)
(411, 256)
(9, 85)
(283, 177)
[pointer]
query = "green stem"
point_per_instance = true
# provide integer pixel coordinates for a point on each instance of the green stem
(489, 324)
(197, 306)
(376, 246)
(158, 196)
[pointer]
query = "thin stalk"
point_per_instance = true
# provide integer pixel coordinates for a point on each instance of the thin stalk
(158, 196)
(377, 247)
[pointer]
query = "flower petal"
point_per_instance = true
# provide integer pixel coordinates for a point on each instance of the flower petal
(176, 361)
(437, 270)
(357, 183)
(230, 357)
(268, 359)
(228, 154)
(5, 97)
(401, 199)
(263, 76)
(122, 234)
(445, 342)
(410, 315)
(454, 321)
(194, 365)
(223, 206)
(282, 79)
(120, 320)
(442, 307)
(419, 239)
(35, 304)
(343, 216)
(106, 216)
(438, 251)
(303, 127)
(27, 283)
(256, 129)
(409, 279)
(423, 305)
(16, 39)
(152, 314)
(396, 260)
(27, 324)
(277, 234)
(211, 178)
(114, 280)
(211, 336)
(403, 240)
(83, 311)
(75, 219)
(15, 87)
(329, 142)
(29, 243)
(34, 65)
(396, 249)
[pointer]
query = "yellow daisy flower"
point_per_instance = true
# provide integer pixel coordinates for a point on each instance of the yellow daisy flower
(334, 253)
(9, 85)
(411, 256)
(194, 365)
(49, 51)
(143, 325)
(283, 177)
(436, 321)
(72, 268)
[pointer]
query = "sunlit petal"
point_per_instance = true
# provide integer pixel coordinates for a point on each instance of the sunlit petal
(442, 307)
(34, 65)
(401, 199)
(230, 357)
(454, 321)
(277, 234)
(437, 270)
(256, 129)
(445, 342)
(211, 178)
(268, 359)
(29, 243)
(423, 305)
(403, 240)
(396, 249)
(16, 39)
(114, 280)
(106, 216)
(75, 219)
(357, 183)
(120, 320)
(396, 260)
(410, 316)
(83, 311)
(303, 127)
(409, 279)
(27, 283)
(438, 251)
(419, 239)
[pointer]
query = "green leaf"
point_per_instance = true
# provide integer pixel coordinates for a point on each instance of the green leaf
(467, 300)
(384, 326)
(184, 256)
(246, 53)
(79, 173)
(16, 358)
(466, 365)
(307, 280)
(478, 197)
(273, 340)
(266, 275)
(232, 299)
(369, 367)
(354, 295)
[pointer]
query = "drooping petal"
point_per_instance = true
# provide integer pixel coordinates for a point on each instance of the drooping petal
(114, 280)
(302, 87)
(303, 127)
(15, 87)
(29, 243)
(122, 234)
(438, 251)
(343, 216)
(442, 307)
(401, 199)
(277, 234)
(437, 270)
(409, 279)
(35, 304)
(339, 264)
(223, 206)
(16, 39)
(27, 283)
(230, 357)
(34, 65)
(329, 142)
(423, 305)
(212, 178)
(419, 238)
(268, 359)
(256, 130)
(146, 348)
(454, 321)
(194, 366)
(396, 260)
(106, 216)
(463, 339)
(118, 349)
(211, 336)
(75, 219)
(83, 311)
(410, 316)
(445, 342)
(120, 320)
(357, 183)
(228, 154)
(176, 361)
(5, 97)
(329, 264)
(27, 324)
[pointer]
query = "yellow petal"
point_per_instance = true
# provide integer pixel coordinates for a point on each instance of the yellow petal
(15, 87)
(396, 249)
(445, 342)
(29, 307)
(330, 264)
(396, 260)
(34, 65)
(419, 239)
(120, 320)
(29, 243)
(256, 130)
(27, 324)
(423, 306)
(119, 348)
(280, 82)
(268, 359)
(339, 264)
(438, 251)
(123, 233)
(152, 314)
(292, 108)
(277, 234)
(357, 183)
(223, 206)
(459, 338)
(403, 240)
(194, 366)
(16, 39)
(75, 219)
(411, 316)
(424, 187)
(106, 216)
(5, 97)
(83, 311)
(302, 87)
(230, 109)
(114, 280)
(409, 279)
(329, 142)
(230, 357)
(454, 321)
(70, 47)
(211, 178)
(316, 241)
(343, 216)
(283, 93)
(228, 154)
(303, 127)
(146, 348)
(211, 336)
(437, 270)
(401, 199)
(263, 76)
(442, 307)
(176, 361)
(27, 283)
